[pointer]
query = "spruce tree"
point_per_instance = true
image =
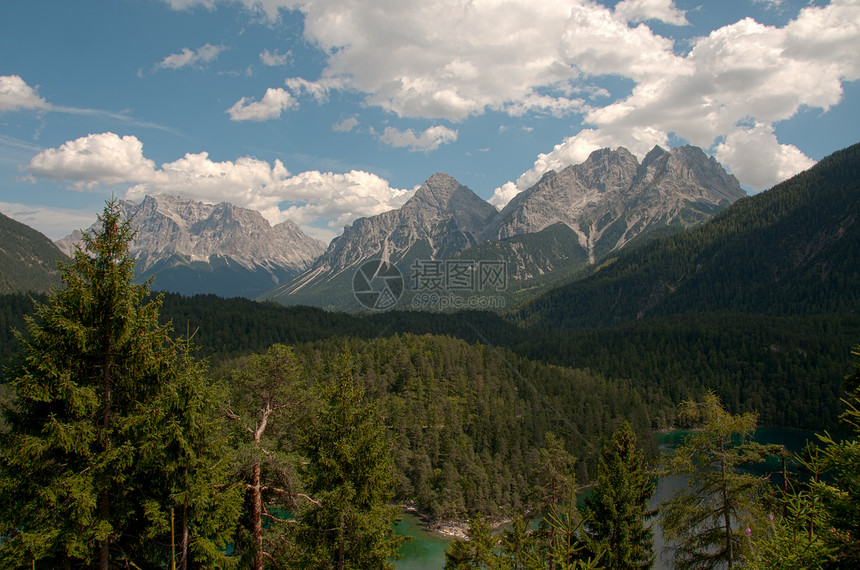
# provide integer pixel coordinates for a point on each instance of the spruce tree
(707, 521)
(269, 396)
(349, 474)
(616, 512)
(94, 359)
(189, 502)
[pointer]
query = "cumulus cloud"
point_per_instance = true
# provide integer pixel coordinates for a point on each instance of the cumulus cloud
(94, 160)
(270, 107)
(322, 202)
(431, 139)
(758, 158)
(15, 94)
(273, 59)
(451, 60)
(187, 57)
(644, 10)
(345, 125)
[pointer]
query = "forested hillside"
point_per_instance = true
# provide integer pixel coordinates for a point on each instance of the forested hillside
(28, 259)
(791, 250)
(467, 420)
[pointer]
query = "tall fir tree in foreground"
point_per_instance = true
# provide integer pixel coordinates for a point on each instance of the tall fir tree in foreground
(707, 521)
(350, 475)
(617, 511)
(95, 360)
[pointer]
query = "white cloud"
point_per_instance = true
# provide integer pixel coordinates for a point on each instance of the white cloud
(273, 59)
(431, 139)
(270, 107)
(321, 202)
(644, 10)
(345, 125)
(451, 60)
(94, 160)
(575, 150)
(15, 94)
(187, 57)
(757, 157)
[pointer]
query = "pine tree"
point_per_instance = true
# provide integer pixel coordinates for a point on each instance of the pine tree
(94, 359)
(270, 394)
(475, 551)
(350, 475)
(187, 464)
(708, 519)
(555, 485)
(616, 512)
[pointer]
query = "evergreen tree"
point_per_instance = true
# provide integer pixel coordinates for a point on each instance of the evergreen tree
(554, 489)
(270, 395)
(94, 360)
(187, 464)
(350, 475)
(707, 520)
(475, 551)
(617, 511)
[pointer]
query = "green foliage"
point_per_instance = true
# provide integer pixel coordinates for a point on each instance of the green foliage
(269, 396)
(475, 550)
(617, 511)
(705, 521)
(73, 480)
(28, 259)
(797, 535)
(349, 473)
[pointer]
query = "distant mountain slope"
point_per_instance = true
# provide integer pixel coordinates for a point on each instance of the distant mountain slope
(788, 251)
(192, 247)
(28, 259)
(442, 218)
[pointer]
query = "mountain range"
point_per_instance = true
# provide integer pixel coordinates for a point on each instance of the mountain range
(192, 247)
(564, 227)
(568, 222)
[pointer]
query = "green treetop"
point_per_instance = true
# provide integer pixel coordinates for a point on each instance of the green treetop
(95, 359)
(707, 520)
(616, 513)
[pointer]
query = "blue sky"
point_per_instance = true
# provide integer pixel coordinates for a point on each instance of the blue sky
(322, 111)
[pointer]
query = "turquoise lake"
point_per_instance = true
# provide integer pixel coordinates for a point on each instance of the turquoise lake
(426, 551)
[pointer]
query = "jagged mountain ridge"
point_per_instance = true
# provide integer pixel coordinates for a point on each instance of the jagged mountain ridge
(194, 247)
(610, 199)
(442, 218)
(607, 202)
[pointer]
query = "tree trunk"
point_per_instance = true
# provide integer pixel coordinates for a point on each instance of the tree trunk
(726, 515)
(183, 545)
(257, 516)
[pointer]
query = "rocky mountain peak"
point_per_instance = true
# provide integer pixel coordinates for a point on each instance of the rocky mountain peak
(611, 198)
(176, 234)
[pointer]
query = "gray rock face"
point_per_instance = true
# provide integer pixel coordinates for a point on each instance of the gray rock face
(610, 199)
(175, 232)
(442, 218)
(445, 216)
